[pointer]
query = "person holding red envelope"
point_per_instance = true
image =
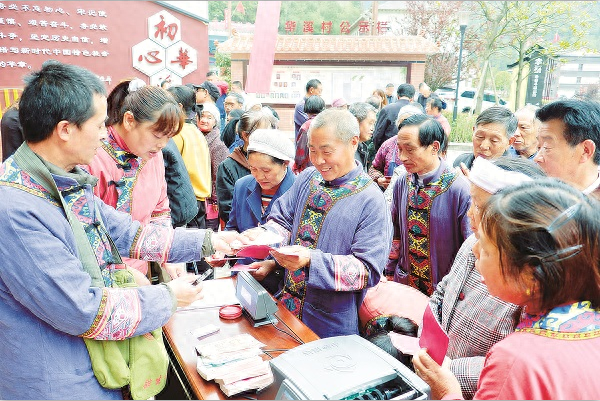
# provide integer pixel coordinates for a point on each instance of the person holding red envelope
(537, 248)
(269, 157)
(334, 218)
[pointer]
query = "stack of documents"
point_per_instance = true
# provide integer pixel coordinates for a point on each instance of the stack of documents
(234, 364)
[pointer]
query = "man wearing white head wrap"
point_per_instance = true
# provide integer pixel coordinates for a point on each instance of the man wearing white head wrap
(269, 156)
(472, 318)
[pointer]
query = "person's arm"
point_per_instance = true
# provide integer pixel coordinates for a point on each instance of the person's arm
(464, 202)
(467, 371)
(232, 223)
(396, 243)
(46, 277)
(162, 211)
(12, 133)
(301, 159)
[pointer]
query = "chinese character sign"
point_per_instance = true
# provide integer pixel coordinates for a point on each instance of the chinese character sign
(163, 54)
(325, 27)
(163, 28)
(537, 77)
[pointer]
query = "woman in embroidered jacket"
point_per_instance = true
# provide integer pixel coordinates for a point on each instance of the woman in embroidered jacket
(538, 247)
(334, 217)
(129, 166)
(47, 302)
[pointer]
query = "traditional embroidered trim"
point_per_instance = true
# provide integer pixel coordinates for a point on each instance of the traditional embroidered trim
(578, 321)
(350, 273)
(131, 166)
(319, 202)
(153, 243)
(162, 218)
(370, 326)
(11, 175)
(118, 317)
(119, 312)
(420, 202)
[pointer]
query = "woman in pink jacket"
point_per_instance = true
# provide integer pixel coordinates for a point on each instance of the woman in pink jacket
(129, 167)
(538, 248)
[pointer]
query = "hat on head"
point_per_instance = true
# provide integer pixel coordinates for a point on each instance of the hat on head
(272, 142)
(212, 109)
(491, 178)
(339, 102)
(223, 87)
(211, 88)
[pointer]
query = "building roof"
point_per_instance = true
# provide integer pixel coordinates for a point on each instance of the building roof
(344, 44)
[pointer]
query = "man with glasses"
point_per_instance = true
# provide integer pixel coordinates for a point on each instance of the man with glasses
(233, 101)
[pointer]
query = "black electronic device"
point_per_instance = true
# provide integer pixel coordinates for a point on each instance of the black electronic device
(257, 303)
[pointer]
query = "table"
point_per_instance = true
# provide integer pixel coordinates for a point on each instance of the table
(181, 347)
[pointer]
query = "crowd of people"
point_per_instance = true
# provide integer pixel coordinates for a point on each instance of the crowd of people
(113, 203)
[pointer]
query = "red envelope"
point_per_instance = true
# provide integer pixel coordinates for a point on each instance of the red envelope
(433, 337)
(254, 251)
(238, 267)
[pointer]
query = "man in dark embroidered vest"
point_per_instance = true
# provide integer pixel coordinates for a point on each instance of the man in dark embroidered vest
(429, 208)
(338, 224)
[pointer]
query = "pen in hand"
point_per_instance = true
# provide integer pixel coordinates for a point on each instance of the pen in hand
(203, 276)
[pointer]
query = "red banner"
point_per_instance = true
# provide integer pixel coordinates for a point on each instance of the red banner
(260, 66)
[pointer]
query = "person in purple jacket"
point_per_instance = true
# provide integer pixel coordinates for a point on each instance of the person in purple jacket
(334, 218)
(429, 207)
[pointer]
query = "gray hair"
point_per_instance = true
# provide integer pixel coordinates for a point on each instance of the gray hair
(407, 111)
(499, 115)
(361, 110)
(239, 98)
(531, 109)
(342, 121)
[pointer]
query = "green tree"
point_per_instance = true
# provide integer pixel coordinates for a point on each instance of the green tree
(493, 25)
(536, 22)
(216, 11)
(438, 22)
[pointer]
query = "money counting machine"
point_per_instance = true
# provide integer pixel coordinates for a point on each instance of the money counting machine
(344, 368)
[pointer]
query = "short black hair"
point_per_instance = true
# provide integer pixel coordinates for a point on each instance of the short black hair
(55, 93)
(581, 119)
(184, 95)
(314, 105)
(313, 83)
(435, 102)
(406, 90)
(429, 130)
